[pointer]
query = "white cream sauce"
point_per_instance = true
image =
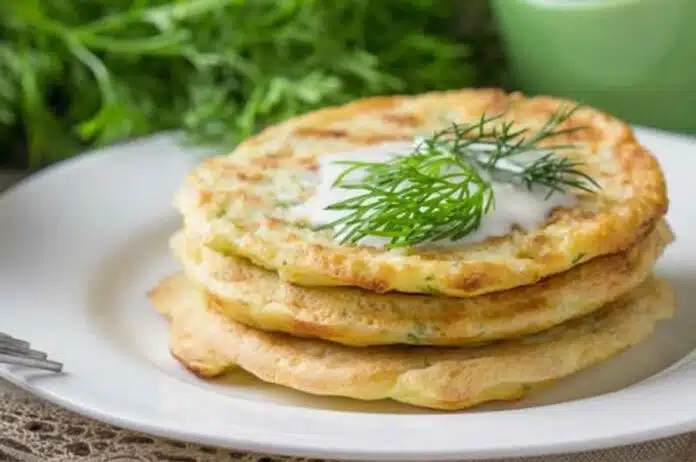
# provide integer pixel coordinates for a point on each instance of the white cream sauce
(514, 205)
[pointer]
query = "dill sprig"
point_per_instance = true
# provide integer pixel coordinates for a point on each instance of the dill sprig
(443, 188)
(557, 173)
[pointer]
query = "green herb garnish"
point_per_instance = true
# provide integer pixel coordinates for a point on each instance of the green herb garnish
(76, 74)
(443, 188)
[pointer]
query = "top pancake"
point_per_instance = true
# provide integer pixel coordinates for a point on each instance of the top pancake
(238, 204)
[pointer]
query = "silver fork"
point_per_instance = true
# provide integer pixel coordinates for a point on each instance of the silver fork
(18, 352)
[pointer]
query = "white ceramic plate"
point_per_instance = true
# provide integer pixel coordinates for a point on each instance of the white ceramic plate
(82, 242)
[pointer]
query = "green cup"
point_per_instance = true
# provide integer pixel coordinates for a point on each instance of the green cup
(633, 58)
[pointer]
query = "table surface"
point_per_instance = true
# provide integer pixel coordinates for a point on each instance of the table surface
(32, 430)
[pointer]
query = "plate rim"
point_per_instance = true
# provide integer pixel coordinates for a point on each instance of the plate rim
(616, 440)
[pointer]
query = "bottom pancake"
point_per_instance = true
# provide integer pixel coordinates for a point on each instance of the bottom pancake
(436, 377)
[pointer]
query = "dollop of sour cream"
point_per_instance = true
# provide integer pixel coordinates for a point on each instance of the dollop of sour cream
(514, 205)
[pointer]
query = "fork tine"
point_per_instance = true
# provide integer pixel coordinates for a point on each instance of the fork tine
(19, 351)
(31, 362)
(7, 340)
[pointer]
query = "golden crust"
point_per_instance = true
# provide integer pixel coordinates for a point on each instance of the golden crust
(258, 298)
(238, 203)
(442, 378)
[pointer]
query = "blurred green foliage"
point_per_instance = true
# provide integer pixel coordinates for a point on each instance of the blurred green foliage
(76, 74)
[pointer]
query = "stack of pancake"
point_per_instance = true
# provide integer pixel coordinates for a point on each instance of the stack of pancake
(440, 327)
